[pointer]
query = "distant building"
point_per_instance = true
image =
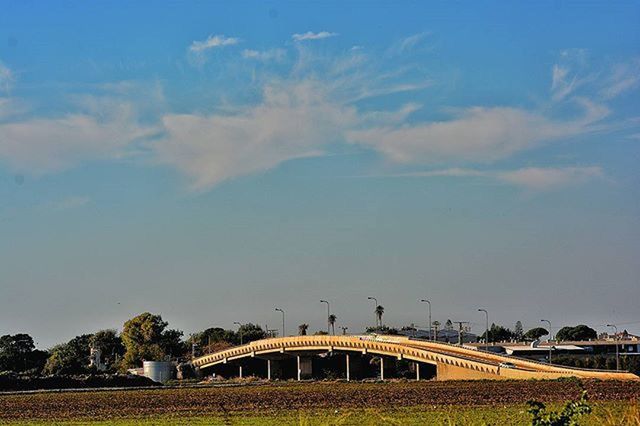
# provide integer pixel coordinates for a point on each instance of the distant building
(540, 350)
(445, 336)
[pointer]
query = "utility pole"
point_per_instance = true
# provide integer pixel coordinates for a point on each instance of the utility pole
(615, 338)
(283, 329)
(460, 323)
(375, 301)
(328, 315)
(486, 333)
(431, 337)
(550, 335)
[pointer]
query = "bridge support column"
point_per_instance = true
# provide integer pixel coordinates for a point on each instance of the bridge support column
(268, 369)
(347, 369)
(240, 371)
(417, 371)
(304, 367)
(381, 368)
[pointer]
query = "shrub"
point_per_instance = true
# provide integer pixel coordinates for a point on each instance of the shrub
(567, 417)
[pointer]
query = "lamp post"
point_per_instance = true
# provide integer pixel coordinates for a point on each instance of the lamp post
(375, 301)
(615, 337)
(239, 331)
(328, 315)
(430, 333)
(548, 322)
(283, 331)
(486, 333)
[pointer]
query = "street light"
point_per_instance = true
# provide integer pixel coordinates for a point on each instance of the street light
(328, 315)
(239, 330)
(615, 337)
(486, 333)
(374, 308)
(280, 310)
(430, 333)
(548, 322)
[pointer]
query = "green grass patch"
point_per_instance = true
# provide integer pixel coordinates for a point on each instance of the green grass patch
(604, 413)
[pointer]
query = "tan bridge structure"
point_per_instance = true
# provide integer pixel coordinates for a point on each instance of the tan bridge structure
(452, 362)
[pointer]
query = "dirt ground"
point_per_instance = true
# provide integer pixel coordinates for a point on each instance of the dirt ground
(105, 405)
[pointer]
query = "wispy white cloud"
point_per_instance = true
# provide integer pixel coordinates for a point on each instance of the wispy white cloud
(6, 77)
(212, 42)
(309, 35)
(569, 73)
(624, 78)
(542, 179)
(477, 134)
(45, 145)
(264, 55)
(530, 178)
(409, 43)
(293, 121)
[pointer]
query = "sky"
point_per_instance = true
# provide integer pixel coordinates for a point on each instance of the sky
(211, 161)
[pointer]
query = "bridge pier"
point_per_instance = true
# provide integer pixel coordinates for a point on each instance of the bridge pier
(382, 368)
(347, 368)
(417, 371)
(305, 369)
(269, 369)
(240, 372)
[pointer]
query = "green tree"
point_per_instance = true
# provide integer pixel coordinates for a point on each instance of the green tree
(251, 332)
(577, 333)
(518, 332)
(172, 344)
(332, 323)
(145, 338)
(18, 354)
(302, 329)
(379, 311)
(213, 335)
(109, 344)
(69, 358)
(383, 330)
(498, 333)
(535, 333)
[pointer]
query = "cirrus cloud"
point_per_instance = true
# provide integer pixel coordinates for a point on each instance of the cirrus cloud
(212, 42)
(530, 178)
(292, 121)
(309, 35)
(476, 134)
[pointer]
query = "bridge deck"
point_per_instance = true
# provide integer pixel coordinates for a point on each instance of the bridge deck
(452, 361)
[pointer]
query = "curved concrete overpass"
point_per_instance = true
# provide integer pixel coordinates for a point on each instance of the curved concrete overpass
(451, 361)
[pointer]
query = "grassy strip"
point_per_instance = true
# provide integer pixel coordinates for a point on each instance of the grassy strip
(604, 414)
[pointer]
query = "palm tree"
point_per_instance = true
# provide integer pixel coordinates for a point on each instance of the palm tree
(379, 312)
(302, 329)
(332, 323)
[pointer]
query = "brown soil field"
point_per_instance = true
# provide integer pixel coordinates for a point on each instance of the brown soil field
(105, 405)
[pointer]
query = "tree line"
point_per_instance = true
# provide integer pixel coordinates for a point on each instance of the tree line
(148, 337)
(144, 337)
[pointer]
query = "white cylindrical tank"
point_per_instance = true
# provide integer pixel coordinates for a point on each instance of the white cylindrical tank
(158, 371)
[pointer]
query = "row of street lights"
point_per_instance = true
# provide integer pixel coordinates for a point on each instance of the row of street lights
(434, 337)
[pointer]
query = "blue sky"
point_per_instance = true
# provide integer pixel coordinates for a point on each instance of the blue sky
(210, 161)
